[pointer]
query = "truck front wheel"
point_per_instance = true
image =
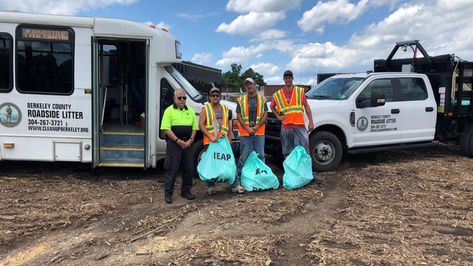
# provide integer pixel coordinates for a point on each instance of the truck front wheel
(326, 151)
(466, 142)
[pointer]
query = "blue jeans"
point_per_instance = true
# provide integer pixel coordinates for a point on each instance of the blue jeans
(247, 146)
(293, 137)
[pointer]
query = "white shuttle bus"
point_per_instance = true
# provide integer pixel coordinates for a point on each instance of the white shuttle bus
(89, 90)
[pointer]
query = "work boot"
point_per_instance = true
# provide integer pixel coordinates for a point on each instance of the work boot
(188, 196)
(168, 199)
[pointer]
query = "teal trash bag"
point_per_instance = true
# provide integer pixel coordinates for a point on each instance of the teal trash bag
(218, 163)
(297, 169)
(257, 176)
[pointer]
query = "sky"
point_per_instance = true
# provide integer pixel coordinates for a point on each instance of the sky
(270, 36)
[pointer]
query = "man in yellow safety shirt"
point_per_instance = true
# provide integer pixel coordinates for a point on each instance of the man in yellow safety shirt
(180, 125)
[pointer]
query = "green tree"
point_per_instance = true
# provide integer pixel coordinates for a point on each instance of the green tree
(231, 78)
(234, 80)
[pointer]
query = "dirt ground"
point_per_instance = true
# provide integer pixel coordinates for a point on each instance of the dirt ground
(389, 208)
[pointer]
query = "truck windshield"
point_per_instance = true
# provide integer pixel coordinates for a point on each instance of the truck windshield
(191, 91)
(335, 88)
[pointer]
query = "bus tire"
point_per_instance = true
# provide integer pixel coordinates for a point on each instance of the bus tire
(466, 142)
(326, 151)
(197, 150)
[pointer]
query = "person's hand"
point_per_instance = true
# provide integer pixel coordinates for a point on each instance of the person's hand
(311, 125)
(251, 131)
(213, 139)
(281, 117)
(188, 143)
(181, 143)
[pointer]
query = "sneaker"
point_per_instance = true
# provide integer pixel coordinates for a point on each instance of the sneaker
(238, 189)
(211, 191)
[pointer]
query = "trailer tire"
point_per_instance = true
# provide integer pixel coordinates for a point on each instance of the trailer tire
(466, 142)
(326, 151)
(197, 150)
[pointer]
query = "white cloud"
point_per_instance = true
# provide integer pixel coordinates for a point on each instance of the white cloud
(271, 34)
(64, 7)
(311, 82)
(274, 80)
(265, 68)
(309, 59)
(242, 55)
(243, 6)
(202, 58)
(193, 17)
(440, 32)
(252, 23)
(337, 11)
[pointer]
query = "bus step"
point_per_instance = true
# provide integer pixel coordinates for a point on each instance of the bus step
(123, 153)
(122, 139)
(122, 164)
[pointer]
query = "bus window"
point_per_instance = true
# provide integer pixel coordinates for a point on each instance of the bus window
(6, 67)
(44, 60)
(109, 64)
(166, 99)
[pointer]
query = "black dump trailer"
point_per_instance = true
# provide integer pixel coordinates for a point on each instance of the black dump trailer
(451, 79)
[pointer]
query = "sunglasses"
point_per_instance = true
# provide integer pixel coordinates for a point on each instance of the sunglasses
(214, 95)
(182, 98)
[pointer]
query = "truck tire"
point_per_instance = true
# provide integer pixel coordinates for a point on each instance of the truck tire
(466, 142)
(326, 151)
(197, 150)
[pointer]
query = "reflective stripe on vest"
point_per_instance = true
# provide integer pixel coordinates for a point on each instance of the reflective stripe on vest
(294, 111)
(245, 113)
(210, 117)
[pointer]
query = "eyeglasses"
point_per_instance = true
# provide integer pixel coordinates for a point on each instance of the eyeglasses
(214, 95)
(182, 98)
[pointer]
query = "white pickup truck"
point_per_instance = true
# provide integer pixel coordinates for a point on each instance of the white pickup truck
(356, 112)
(394, 107)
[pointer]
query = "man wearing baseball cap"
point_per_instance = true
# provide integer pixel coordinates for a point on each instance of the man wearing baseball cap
(288, 105)
(251, 113)
(214, 123)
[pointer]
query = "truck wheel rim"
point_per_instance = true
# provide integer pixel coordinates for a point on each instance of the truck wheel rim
(324, 152)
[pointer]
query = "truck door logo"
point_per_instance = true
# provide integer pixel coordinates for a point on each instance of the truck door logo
(10, 115)
(362, 123)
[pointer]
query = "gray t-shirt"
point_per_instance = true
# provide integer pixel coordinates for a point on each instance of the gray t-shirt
(253, 105)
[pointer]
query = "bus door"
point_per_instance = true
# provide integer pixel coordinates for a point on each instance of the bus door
(120, 85)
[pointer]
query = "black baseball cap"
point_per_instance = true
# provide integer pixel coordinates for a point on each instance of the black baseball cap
(288, 73)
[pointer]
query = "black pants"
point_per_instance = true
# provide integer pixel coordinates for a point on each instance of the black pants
(178, 159)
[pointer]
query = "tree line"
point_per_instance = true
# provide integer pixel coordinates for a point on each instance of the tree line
(234, 78)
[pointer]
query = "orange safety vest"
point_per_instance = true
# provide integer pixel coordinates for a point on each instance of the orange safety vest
(210, 117)
(245, 114)
(294, 111)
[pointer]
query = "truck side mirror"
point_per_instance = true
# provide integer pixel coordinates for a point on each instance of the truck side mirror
(362, 102)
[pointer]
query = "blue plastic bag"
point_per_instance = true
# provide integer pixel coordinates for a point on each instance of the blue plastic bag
(218, 163)
(257, 176)
(297, 169)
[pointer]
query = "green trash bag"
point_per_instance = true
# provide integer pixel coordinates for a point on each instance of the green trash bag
(218, 163)
(257, 176)
(297, 169)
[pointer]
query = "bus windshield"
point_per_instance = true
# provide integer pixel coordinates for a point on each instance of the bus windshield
(191, 91)
(335, 88)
